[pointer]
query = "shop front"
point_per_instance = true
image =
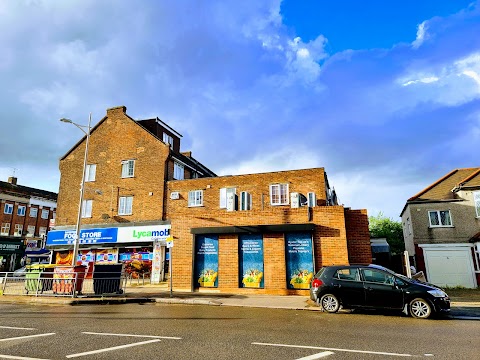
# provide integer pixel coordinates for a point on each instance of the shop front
(141, 249)
(11, 252)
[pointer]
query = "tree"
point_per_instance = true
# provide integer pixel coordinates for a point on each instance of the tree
(383, 227)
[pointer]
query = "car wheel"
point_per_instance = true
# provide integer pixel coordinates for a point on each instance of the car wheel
(420, 308)
(329, 303)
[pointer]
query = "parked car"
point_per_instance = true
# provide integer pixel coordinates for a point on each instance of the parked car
(375, 287)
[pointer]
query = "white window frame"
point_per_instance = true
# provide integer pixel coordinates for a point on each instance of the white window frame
(279, 194)
(128, 168)
(87, 208)
(245, 201)
(18, 230)
(42, 231)
(90, 172)
(125, 205)
(195, 198)
(438, 214)
(21, 210)
(5, 229)
(33, 212)
(45, 213)
(8, 208)
(167, 139)
(311, 199)
(476, 202)
(30, 231)
(178, 171)
(224, 194)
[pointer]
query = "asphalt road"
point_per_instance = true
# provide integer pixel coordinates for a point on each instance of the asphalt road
(159, 331)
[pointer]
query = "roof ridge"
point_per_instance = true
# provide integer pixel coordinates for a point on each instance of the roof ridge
(431, 186)
(471, 176)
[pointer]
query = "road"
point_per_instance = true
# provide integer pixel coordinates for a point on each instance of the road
(159, 331)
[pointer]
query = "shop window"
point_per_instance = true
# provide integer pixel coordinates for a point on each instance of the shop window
(21, 210)
(128, 167)
(195, 198)
(87, 208)
(8, 209)
(33, 212)
(250, 254)
(125, 205)
(299, 260)
(5, 229)
(90, 172)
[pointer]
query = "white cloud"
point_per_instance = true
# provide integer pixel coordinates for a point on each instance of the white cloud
(422, 35)
(58, 98)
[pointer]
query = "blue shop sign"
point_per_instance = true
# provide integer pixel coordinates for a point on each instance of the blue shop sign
(87, 236)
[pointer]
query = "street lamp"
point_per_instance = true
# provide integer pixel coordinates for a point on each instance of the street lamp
(82, 185)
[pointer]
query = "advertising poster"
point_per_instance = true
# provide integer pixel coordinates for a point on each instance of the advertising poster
(206, 260)
(63, 280)
(137, 264)
(106, 256)
(251, 261)
(299, 260)
(157, 262)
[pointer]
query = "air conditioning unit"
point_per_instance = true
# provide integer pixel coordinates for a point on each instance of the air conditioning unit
(294, 200)
(174, 195)
(231, 201)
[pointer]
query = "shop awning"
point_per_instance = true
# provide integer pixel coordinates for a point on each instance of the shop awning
(253, 229)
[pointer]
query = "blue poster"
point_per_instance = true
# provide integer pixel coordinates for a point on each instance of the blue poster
(206, 261)
(251, 261)
(299, 259)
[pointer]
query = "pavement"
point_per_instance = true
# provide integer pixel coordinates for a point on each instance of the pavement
(462, 307)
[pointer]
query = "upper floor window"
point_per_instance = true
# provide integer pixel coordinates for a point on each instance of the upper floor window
(87, 208)
(42, 231)
(33, 212)
(476, 200)
(90, 172)
(18, 230)
(45, 213)
(311, 199)
(178, 171)
(8, 209)
(125, 205)
(409, 227)
(195, 198)
(224, 194)
(5, 229)
(245, 201)
(279, 194)
(128, 167)
(440, 218)
(168, 139)
(30, 230)
(21, 210)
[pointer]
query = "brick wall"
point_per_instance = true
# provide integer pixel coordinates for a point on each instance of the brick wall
(358, 237)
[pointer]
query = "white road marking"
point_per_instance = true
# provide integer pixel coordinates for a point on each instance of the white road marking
(16, 328)
(112, 348)
(18, 357)
(133, 335)
(317, 356)
(334, 349)
(26, 337)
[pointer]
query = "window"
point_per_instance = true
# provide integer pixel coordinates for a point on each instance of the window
(21, 210)
(168, 139)
(33, 212)
(279, 194)
(378, 276)
(245, 201)
(440, 218)
(312, 199)
(8, 209)
(409, 227)
(178, 171)
(5, 230)
(45, 213)
(42, 231)
(125, 205)
(127, 168)
(87, 208)
(18, 230)
(347, 274)
(476, 200)
(30, 230)
(195, 198)
(90, 172)
(224, 192)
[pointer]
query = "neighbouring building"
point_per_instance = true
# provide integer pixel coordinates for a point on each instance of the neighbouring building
(146, 203)
(441, 227)
(26, 214)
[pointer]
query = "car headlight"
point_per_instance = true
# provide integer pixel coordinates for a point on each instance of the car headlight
(437, 293)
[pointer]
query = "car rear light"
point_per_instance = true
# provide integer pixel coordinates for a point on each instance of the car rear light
(317, 283)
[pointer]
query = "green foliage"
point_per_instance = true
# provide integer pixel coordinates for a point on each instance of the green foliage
(383, 227)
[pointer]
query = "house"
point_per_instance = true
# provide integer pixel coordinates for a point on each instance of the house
(26, 214)
(147, 203)
(441, 227)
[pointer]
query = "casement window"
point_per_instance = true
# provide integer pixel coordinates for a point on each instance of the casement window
(167, 139)
(90, 172)
(409, 227)
(125, 205)
(18, 230)
(33, 212)
(245, 201)
(5, 229)
(42, 231)
(476, 200)
(8, 209)
(87, 208)
(178, 171)
(45, 213)
(195, 198)
(21, 210)
(311, 199)
(279, 194)
(30, 230)
(440, 218)
(128, 167)
(224, 193)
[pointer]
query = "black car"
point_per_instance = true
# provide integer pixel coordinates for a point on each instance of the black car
(375, 287)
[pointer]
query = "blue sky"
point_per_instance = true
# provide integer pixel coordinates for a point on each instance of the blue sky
(384, 94)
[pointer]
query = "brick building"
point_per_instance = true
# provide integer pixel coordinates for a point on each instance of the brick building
(25, 217)
(265, 233)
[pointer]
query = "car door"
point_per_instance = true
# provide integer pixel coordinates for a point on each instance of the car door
(349, 287)
(380, 289)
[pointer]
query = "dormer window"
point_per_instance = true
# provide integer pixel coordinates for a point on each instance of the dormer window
(167, 139)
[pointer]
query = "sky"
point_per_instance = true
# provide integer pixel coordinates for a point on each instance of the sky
(385, 95)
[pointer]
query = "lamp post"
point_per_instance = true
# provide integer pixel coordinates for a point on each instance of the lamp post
(82, 185)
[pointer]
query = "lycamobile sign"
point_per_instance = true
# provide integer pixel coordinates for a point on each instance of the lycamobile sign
(155, 233)
(143, 233)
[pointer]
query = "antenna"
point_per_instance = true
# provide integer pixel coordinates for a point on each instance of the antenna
(14, 169)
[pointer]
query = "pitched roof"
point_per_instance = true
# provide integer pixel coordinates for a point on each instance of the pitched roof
(13, 189)
(442, 188)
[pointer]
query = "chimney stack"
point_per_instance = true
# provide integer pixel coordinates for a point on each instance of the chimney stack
(12, 180)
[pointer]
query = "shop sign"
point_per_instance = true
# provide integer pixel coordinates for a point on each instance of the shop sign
(87, 236)
(143, 233)
(206, 261)
(251, 261)
(11, 247)
(299, 259)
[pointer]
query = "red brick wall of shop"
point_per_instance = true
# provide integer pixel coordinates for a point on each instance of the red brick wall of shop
(358, 237)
